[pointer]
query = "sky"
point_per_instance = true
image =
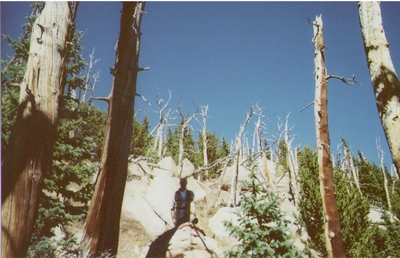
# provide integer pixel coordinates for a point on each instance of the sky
(233, 55)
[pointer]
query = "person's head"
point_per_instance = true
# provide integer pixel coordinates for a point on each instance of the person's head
(183, 182)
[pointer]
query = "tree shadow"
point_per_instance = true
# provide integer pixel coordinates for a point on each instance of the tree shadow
(160, 245)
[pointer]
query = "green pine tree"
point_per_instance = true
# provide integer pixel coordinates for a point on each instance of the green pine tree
(310, 206)
(262, 232)
(142, 141)
(171, 144)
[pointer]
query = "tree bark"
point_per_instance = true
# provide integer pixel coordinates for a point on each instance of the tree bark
(162, 123)
(185, 122)
(205, 141)
(333, 237)
(102, 225)
(385, 180)
(238, 147)
(29, 153)
(292, 164)
(349, 164)
(384, 79)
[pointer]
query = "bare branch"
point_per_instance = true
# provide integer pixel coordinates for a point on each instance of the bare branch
(304, 108)
(13, 84)
(106, 99)
(143, 69)
(142, 97)
(348, 81)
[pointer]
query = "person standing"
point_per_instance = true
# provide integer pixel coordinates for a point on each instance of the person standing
(183, 205)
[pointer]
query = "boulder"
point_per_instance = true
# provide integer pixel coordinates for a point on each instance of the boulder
(282, 186)
(138, 169)
(216, 222)
(136, 209)
(165, 167)
(160, 195)
(230, 173)
(187, 240)
(193, 185)
(187, 168)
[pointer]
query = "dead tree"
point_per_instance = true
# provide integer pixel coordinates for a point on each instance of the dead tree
(204, 111)
(384, 79)
(257, 141)
(292, 164)
(237, 148)
(385, 180)
(29, 153)
(333, 235)
(96, 77)
(88, 77)
(348, 164)
(163, 119)
(101, 232)
(184, 123)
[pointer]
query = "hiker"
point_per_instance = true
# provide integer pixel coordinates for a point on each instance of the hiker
(183, 205)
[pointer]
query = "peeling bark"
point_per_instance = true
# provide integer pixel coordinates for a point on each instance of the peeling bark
(30, 150)
(101, 232)
(333, 237)
(384, 79)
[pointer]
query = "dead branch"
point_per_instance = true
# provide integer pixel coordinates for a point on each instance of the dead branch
(13, 84)
(304, 108)
(142, 97)
(348, 81)
(106, 99)
(143, 69)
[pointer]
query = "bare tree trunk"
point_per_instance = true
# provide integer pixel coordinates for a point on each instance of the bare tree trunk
(89, 76)
(205, 141)
(333, 235)
(102, 225)
(185, 122)
(384, 79)
(385, 180)
(348, 161)
(263, 153)
(29, 153)
(292, 163)
(163, 119)
(237, 148)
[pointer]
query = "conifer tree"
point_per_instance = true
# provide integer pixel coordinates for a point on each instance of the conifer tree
(310, 206)
(141, 139)
(262, 231)
(172, 144)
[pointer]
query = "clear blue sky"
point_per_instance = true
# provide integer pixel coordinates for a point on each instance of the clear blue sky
(231, 55)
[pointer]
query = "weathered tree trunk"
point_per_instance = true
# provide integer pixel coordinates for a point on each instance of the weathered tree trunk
(293, 165)
(185, 122)
(384, 79)
(385, 180)
(349, 164)
(162, 123)
(88, 77)
(29, 152)
(205, 141)
(237, 148)
(262, 151)
(102, 225)
(333, 236)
